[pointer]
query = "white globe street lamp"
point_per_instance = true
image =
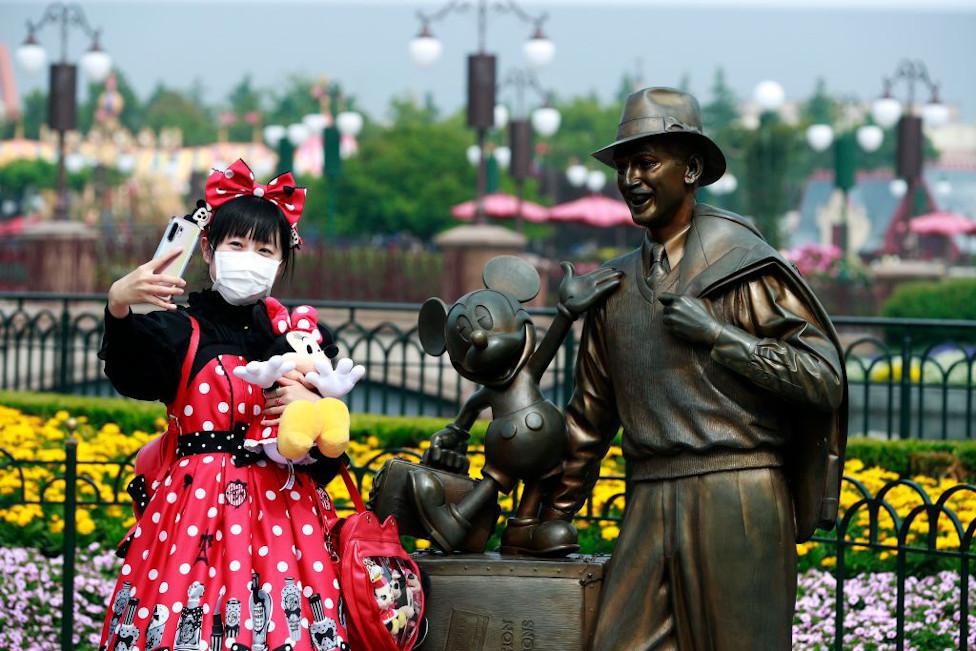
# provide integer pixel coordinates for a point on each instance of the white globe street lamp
(425, 49)
(546, 121)
(576, 174)
(501, 116)
(503, 156)
(870, 137)
(820, 136)
(473, 154)
(595, 180)
(298, 133)
(935, 113)
(727, 184)
(31, 55)
(898, 188)
(315, 122)
(943, 187)
(539, 50)
(273, 133)
(769, 95)
(349, 123)
(96, 63)
(886, 111)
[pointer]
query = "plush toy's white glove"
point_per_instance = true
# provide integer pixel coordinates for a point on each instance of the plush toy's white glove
(264, 374)
(335, 383)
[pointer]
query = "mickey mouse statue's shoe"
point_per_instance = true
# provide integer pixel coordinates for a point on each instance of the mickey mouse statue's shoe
(530, 537)
(446, 525)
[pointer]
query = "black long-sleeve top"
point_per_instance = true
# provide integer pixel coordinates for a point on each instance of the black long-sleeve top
(144, 353)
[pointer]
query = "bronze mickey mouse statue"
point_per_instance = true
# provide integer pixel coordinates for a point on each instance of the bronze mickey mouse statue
(491, 340)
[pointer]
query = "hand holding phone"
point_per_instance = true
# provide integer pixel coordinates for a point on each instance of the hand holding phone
(146, 284)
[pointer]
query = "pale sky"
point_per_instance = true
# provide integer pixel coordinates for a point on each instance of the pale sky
(852, 43)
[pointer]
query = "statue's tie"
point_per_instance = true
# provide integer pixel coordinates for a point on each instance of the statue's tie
(658, 269)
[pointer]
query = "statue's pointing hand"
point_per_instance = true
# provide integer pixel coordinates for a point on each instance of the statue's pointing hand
(337, 382)
(577, 294)
(690, 319)
(265, 373)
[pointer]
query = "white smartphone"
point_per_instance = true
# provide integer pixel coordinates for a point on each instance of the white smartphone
(180, 233)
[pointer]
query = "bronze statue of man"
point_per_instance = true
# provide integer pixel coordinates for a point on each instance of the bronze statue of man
(725, 373)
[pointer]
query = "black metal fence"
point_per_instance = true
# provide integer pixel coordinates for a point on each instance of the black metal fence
(81, 482)
(908, 378)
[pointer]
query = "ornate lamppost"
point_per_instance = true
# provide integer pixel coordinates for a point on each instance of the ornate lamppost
(62, 94)
(890, 112)
(425, 49)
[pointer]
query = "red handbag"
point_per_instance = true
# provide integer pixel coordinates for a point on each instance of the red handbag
(381, 585)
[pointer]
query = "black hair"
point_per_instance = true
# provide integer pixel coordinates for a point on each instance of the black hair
(252, 217)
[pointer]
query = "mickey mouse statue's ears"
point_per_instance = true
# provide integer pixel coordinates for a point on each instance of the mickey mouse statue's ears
(514, 276)
(431, 324)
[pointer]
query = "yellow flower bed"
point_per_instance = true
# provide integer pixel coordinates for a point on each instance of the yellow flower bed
(30, 438)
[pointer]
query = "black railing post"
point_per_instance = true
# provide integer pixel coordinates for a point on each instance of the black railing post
(64, 343)
(839, 570)
(68, 552)
(905, 409)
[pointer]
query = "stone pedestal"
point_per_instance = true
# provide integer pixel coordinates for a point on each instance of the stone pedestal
(487, 602)
(467, 249)
(60, 257)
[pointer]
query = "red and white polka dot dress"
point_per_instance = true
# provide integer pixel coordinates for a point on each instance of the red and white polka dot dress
(222, 554)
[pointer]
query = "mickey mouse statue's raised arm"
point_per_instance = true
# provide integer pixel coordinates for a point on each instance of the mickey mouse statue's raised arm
(490, 339)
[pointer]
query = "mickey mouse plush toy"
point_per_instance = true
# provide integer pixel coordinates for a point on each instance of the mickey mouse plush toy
(491, 340)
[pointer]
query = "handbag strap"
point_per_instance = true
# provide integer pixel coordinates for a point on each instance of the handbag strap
(188, 359)
(357, 499)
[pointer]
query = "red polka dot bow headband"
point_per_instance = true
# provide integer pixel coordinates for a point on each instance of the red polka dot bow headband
(238, 181)
(303, 318)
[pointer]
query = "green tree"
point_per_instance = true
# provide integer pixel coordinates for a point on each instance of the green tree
(243, 99)
(722, 111)
(769, 152)
(405, 177)
(586, 125)
(169, 108)
(293, 102)
(820, 108)
(34, 112)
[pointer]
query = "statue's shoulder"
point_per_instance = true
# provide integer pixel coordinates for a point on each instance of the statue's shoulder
(726, 229)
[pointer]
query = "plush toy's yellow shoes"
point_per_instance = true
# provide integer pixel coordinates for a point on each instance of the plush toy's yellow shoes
(301, 423)
(334, 437)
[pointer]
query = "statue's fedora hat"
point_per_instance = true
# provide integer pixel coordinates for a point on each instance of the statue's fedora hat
(665, 111)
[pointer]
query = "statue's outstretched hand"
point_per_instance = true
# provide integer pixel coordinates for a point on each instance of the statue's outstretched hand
(335, 382)
(579, 293)
(266, 373)
(448, 450)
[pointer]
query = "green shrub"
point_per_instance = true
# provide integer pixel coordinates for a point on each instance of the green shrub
(948, 299)
(131, 415)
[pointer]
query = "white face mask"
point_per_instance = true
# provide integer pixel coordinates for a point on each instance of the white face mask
(244, 277)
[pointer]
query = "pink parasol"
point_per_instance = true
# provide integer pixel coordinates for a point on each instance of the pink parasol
(595, 210)
(942, 223)
(501, 205)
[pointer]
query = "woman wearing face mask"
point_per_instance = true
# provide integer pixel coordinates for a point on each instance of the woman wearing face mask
(229, 546)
